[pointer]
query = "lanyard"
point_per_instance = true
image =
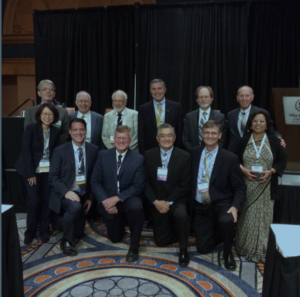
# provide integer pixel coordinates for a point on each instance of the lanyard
(260, 148)
(204, 172)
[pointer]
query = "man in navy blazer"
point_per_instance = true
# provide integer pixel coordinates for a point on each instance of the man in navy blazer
(118, 182)
(70, 174)
(93, 120)
(218, 193)
(156, 112)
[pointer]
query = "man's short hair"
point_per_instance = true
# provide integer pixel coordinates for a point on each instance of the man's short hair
(212, 124)
(84, 93)
(245, 87)
(48, 81)
(52, 108)
(120, 92)
(122, 129)
(211, 92)
(77, 120)
(157, 80)
(165, 125)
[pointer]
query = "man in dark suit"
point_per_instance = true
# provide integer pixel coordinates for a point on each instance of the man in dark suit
(156, 112)
(194, 120)
(46, 90)
(93, 120)
(71, 196)
(218, 192)
(118, 182)
(167, 191)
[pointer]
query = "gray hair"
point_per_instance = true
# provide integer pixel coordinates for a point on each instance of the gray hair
(157, 80)
(245, 87)
(83, 92)
(120, 92)
(163, 126)
(48, 81)
(123, 128)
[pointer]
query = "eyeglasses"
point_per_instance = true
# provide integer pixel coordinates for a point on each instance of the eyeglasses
(163, 136)
(47, 89)
(122, 138)
(50, 115)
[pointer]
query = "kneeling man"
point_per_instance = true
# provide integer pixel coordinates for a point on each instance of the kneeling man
(71, 196)
(118, 181)
(167, 190)
(219, 192)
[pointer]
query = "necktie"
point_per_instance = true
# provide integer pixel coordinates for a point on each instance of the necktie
(164, 161)
(202, 122)
(81, 170)
(119, 121)
(243, 123)
(119, 162)
(158, 115)
(83, 117)
(205, 197)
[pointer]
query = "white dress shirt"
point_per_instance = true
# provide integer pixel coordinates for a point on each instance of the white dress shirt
(88, 120)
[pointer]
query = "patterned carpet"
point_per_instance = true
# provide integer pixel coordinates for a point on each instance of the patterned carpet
(100, 270)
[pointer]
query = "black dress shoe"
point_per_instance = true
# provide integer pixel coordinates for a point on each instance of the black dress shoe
(229, 261)
(45, 239)
(132, 255)
(67, 248)
(184, 259)
(28, 238)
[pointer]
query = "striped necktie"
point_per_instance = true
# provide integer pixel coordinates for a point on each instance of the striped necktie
(243, 123)
(205, 197)
(202, 122)
(158, 115)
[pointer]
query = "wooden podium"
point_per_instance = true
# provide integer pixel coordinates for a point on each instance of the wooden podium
(290, 133)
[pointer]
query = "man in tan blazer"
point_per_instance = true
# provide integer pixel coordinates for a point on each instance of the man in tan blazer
(121, 115)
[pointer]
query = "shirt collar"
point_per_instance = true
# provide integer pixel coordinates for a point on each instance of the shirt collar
(75, 147)
(169, 152)
(246, 110)
(123, 154)
(162, 102)
(213, 152)
(85, 115)
(207, 111)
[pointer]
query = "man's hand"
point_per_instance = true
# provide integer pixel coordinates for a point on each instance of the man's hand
(32, 181)
(72, 196)
(266, 175)
(248, 173)
(87, 206)
(282, 142)
(234, 212)
(162, 206)
(110, 202)
(113, 210)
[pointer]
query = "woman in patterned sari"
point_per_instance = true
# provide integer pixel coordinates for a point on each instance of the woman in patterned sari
(263, 159)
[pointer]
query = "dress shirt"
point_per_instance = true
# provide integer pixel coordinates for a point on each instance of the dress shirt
(122, 118)
(247, 112)
(167, 158)
(117, 159)
(77, 164)
(45, 157)
(163, 107)
(201, 114)
(211, 160)
(88, 120)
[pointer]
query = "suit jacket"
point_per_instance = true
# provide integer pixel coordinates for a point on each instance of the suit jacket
(147, 124)
(235, 136)
(226, 184)
(63, 117)
(131, 120)
(104, 178)
(177, 186)
(190, 136)
(62, 172)
(96, 126)
(279, 159)
(33, 148)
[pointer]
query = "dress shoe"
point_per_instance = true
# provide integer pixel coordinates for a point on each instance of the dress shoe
(67, 248)
(28, 238)
(45, 239)
(229, 261)
(184, 259)
(132, 255)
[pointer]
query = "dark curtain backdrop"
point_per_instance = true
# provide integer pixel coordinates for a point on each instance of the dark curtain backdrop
(224, 45)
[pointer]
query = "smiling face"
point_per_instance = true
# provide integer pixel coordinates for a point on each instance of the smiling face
(122, 141)
(47, 116)
(78, 133)
(211, 137)
(119, 102)
(204, 99)
(158, 91)
(166, 138)
(46, 92)
(259, 124)
(245, 97)
(83, 102)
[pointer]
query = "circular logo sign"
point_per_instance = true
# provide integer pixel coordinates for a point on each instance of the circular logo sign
(297, 105)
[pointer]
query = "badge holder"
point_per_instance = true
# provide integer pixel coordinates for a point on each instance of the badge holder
(257, 168)
(44, 166)
(162, 174)
(203, 187)
(80, 179)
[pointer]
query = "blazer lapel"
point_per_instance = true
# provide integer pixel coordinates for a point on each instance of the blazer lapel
(151, 113)
(235, 121)
(93, 125)
(168, 111)
(217, 166)
(172, 163)
(125, 162)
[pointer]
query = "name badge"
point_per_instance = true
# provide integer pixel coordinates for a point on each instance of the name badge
(80, 179)
(44, 166)
(257, 168)
(57, 124)
(162, 174)
(111, 139)
(203, 187)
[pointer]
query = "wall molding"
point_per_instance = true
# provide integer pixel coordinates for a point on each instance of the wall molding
(18, 66)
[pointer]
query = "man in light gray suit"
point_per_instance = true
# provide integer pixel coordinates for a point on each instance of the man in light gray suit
(121, 115)
(46, 90)
(93, 120)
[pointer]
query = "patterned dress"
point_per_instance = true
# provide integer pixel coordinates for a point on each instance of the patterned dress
(257, 215)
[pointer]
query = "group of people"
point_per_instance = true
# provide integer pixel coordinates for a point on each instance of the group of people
(210, 174)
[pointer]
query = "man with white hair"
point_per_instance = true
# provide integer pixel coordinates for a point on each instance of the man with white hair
(120, 115)
(93, 120)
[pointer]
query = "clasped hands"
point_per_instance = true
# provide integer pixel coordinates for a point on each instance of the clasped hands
(251, 177)
(109, 204)
(162, 206)
(74, 197)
